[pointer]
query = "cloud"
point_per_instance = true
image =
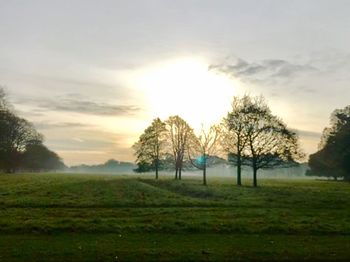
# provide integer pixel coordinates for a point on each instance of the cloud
(76, 143)
(307, 133)
(46, 125)
(48, 79)
(89, 107)
(85, 139)
(80, 105)
(30, 114)
(261, 70)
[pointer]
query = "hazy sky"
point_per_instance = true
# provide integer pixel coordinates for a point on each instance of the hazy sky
(91, 75)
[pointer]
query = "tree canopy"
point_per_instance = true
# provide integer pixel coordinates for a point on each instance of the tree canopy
(250, 135)
(150, 147)
(18, 139)
(333, 157)
(37, 157)
(179, 134)
(234, 138)
(253, 136)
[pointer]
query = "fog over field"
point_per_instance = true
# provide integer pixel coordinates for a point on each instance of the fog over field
(221, 170)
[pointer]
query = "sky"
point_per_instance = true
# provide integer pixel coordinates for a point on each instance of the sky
(91, 75)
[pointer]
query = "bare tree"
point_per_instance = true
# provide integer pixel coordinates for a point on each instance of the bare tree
(150, 147)
(179, 135)
(202, 147)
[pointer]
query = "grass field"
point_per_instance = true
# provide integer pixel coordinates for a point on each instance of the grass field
(63, 217)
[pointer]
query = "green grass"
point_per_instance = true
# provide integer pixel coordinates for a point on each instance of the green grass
(63, 217)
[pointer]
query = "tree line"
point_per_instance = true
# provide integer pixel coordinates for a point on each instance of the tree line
(250, 135)
(21, 146)
(333, 157)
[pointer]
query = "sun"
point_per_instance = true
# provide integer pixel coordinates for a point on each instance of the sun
(187, 88)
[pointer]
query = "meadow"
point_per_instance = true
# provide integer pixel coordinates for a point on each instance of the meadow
(80, 217)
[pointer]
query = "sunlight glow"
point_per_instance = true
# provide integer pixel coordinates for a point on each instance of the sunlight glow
(187, 88)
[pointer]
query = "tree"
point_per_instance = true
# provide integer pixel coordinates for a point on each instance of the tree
(333, 157)
(234, 138)
(3, 101)
(269, 142)
(204, 146)
(37, 157)
(252, 136)
(322, 164)
(20, 144)
(143, 167)
(179, 134)
(15, 134)
(150, 147)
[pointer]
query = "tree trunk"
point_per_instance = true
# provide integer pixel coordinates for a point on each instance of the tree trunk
(239, 171)
(180, 170)
(205, 175)
(176, 170)
(255, 182)
(157, 167)
(335, 178)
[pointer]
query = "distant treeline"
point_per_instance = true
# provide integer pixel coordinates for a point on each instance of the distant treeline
(21, 146)
(111, 166)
